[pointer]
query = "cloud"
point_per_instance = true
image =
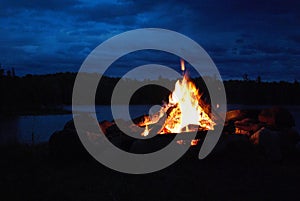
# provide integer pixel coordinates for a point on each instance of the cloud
(105, 12)
(249, 33)
(295, 38)
(38, 5)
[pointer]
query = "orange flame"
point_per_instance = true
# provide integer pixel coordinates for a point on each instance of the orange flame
(146, 131)
(185, 101)
(184, 110)
(182, 65)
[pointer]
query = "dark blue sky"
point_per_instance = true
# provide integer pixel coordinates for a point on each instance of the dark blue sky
(242, 36)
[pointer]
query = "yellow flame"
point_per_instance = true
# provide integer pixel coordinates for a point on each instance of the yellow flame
(194, 142)
(182, 65)
(146, 131)
(184, 109)
(187, 111)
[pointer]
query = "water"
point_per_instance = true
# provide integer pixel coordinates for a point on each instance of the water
(29, 129)
(25, 129)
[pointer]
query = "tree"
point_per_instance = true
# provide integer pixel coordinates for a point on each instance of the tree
(258, 79)
(1, 72)
(13, 72)
(8, 73)
(245, 77)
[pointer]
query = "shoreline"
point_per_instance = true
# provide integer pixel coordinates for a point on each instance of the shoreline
(62, 111)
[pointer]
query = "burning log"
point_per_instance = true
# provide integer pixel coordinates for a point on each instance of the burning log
(247, 126)
(184, 112)
(104, 125)
(183, 109)
(153, 129)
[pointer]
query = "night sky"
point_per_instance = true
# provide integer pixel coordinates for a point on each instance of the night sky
(242, 36)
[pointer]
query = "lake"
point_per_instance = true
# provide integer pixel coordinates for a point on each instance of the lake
(25, 129)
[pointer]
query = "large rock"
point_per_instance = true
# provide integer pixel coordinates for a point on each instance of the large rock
(277, 118)
(271, 129)
(238, 115)
(276, 144)
(270, 142)
(66, 145)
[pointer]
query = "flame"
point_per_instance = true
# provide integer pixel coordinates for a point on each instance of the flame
(194, 142)
(146, 131)
(182, 65)
(184, 110)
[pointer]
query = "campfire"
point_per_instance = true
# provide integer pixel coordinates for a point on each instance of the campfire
(270, 131)
(184, 112)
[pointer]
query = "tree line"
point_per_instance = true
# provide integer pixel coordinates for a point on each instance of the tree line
(32, 93)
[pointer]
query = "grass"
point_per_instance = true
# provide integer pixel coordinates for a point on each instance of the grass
(29, 173)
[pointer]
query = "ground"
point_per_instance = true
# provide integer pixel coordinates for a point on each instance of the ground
(29, 173)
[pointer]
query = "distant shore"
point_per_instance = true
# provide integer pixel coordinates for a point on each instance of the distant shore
(45, 111)
(45, 94)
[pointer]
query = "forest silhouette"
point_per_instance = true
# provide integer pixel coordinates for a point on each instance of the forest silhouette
(35, 94)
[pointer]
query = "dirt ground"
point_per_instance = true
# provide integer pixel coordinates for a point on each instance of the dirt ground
(29, 173)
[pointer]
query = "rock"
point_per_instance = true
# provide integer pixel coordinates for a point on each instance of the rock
(69, 125)
(247, 126)
(289, 138)
(104, 125)
(237, 115)
(276, 143)
(277, 118)
(144, 146)
(65, 145)
(270, 142)
(118, 138)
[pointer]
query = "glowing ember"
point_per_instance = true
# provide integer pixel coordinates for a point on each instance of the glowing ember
(146, 131)
(184, 110)
(182, 65)
(183, 142)
(194, 142)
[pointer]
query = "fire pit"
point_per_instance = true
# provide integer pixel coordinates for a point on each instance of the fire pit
(185, 113)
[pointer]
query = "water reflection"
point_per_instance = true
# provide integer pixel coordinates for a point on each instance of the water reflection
(26, 129)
